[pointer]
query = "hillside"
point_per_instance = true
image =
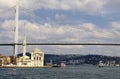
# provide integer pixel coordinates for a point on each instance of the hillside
(80, 59)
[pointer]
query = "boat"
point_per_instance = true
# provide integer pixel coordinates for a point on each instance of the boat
(63, 65)
(100, 65)
(59, 65)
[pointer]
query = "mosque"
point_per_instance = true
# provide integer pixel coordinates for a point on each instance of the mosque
(33, 59)
(36, 58)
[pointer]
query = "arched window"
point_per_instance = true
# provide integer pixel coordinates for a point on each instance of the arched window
(34, 58)
(37, 58)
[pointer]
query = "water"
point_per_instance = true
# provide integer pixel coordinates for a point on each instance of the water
(70, 72)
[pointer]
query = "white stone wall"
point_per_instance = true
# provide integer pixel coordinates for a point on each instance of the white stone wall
(37, 58)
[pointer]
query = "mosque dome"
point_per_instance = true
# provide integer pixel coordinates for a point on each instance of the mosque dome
(37, 50)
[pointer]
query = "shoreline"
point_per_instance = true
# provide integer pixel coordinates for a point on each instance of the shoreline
(25, 67)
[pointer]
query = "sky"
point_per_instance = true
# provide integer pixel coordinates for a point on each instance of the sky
(62, 21)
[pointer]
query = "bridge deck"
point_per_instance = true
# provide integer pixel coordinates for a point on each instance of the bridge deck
(104, 44)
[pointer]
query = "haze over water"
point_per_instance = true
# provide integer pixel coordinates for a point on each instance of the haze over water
(70, 72)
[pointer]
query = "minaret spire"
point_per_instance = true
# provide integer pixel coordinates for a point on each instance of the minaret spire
(16, 30)
(24, 47)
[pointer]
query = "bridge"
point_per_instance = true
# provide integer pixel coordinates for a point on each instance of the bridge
(15, 44)
(103, 44)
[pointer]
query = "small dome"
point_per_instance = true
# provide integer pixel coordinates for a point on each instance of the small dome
(37, 50)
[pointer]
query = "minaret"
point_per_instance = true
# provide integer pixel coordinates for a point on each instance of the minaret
(24, 48)
(16, 30)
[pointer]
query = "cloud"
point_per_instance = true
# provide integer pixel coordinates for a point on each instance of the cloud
(89, 6)
(112, 5)
(7, 4)
(83, 5)
(85, 32)
(81, 32)
(61, 17)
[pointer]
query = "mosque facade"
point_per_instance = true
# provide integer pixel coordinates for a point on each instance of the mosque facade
(36, 58)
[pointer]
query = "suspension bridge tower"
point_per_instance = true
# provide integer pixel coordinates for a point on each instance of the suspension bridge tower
(16, 30)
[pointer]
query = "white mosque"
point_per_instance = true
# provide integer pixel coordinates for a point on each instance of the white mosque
(35, 60)
(37, 56)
